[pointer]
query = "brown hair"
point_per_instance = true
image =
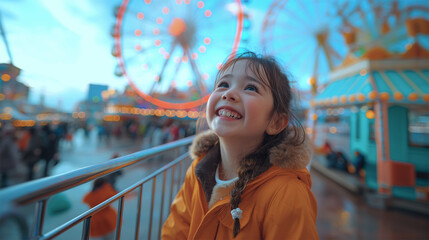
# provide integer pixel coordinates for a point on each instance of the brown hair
(265, 68)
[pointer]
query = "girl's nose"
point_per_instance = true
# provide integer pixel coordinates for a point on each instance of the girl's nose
(230, 96)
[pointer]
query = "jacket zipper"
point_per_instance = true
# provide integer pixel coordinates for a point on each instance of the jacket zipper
(217, 229)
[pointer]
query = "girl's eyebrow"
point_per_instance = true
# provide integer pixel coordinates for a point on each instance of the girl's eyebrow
(252, 79)
(260, 82)
(226, 76)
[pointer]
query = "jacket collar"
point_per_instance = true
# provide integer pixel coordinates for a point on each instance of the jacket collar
(284, 155)
(205, 148)
(206, 170)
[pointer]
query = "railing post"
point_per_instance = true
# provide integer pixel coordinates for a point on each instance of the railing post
(86, 228)
(151, 207)
(180, 172)
(162, 204)
(39, 218)
(139, 210)
(173, 171)
(119, 219)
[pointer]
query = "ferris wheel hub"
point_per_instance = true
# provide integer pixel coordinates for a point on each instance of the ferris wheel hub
(177, 27)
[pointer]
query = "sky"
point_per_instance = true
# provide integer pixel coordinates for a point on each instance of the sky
(62, 46)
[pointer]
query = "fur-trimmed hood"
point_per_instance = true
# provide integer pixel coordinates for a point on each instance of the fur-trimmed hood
(284, 155)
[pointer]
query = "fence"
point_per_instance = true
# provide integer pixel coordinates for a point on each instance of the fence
(40, 191)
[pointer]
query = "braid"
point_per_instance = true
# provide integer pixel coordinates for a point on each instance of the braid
(250, 167)
(245, 173)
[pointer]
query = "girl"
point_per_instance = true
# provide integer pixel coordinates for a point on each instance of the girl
(248, 179)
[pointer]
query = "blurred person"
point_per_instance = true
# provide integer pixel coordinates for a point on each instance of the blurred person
(33, 151)
(175, 132)
(101, 132)
(142, 129)
(341, 162)
(59, 131)
(133, 130)
(182, 131)
(86, 130)
(9, 154)
(103, 223)
(330, 155)
(326, 148)
(68, 139)
(24, 140)
(49, 153)
(108, 131)
(331, 159)
(117, 131)
(359, 163)
(157, 136)
(248, 179)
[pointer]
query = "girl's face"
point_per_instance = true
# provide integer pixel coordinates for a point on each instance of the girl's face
(241, 105)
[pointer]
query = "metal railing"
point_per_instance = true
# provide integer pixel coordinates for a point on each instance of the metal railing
(41, 190)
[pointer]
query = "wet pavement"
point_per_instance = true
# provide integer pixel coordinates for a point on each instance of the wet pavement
(345, 215)
(341, 214)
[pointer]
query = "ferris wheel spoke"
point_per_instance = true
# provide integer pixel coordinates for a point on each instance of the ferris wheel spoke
(178, 64)
(332, 52)
(287, 46)
(316, 63)
(291, 35)
(304, 9)
(217, 23)
(148, 26)
(298, 51)
(303, 63)
(318, 11)
(301, 21)
(132, 60)
(295, 28)
(160, 75)
(173, 47)
(200, 84)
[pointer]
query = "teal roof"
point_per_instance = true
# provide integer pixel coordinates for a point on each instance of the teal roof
(401, 86)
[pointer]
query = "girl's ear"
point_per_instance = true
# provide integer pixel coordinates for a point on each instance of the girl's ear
(277, 124)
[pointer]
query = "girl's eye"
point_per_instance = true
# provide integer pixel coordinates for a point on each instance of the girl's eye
(222, 85)
(251, 88)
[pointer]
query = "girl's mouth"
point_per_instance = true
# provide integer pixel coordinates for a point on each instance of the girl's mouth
(228, 113)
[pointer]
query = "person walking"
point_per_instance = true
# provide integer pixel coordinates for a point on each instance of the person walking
(50, 149)
(9, 154)
(32, 153)
(248, 179)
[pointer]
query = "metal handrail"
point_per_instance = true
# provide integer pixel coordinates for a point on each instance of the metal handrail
(40, 190)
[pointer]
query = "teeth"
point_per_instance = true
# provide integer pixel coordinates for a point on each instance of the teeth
(226, 113)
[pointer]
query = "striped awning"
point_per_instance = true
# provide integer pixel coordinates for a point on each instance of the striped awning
(396, 86)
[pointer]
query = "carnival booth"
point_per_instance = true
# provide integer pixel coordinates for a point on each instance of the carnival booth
(386, 96)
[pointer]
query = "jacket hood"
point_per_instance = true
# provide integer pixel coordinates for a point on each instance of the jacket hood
(284, 155)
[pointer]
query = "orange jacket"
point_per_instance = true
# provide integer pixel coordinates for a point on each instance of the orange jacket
(278, 204)
(103, 222)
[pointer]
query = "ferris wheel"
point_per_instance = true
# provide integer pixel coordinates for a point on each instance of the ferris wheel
(170, 50)
(304, 35)
(312, 37)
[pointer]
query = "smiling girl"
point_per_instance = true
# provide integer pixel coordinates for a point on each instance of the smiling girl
(248, 179)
